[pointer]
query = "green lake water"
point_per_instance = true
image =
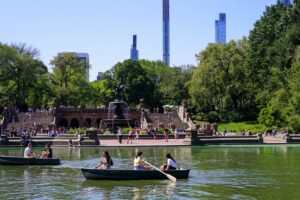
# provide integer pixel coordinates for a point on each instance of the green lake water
(217, 172)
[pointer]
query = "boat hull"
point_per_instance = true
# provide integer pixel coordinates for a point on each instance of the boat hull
(9, 160)
(120, 174)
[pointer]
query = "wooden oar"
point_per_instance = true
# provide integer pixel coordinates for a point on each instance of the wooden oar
(172, 178)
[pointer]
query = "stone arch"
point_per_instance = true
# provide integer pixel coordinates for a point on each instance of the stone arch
(74, 123)
(63, 123)
(88, 122)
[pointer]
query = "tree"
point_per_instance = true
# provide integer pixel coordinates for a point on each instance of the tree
(137, 83)
(19, 74)
(220, 82)
(67, 69)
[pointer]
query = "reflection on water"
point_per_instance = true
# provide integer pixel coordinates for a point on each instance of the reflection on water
(218, 172)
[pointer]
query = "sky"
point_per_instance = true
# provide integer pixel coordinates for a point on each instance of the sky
(104, 28)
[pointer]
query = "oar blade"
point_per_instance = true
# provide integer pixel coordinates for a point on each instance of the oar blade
(172, 178)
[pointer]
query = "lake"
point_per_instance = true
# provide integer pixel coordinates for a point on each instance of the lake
(217, 172)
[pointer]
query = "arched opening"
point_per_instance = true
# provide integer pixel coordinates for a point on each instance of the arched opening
(88, 123)
(74, 123)
(63, 123)
(98, 122)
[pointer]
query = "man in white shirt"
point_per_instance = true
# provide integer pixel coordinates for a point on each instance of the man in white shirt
(28, 153)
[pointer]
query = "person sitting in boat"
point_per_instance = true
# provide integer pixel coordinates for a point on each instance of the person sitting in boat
(45, 154)
(48, 147)
(171, 163)
(106, 161)
(28, 153)
(138, 162)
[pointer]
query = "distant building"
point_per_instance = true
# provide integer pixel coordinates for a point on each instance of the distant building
(82, 57)
(220, 29)
(166, 32)
(285, 2)
(100, 76)
(134, 53)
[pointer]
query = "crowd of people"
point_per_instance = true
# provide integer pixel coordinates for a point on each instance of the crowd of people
(150, 132)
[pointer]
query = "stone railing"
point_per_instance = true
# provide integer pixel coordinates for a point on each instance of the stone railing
(183, 115)
(144, 122)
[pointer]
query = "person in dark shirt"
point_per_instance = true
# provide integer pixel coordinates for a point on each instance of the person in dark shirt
(48, 146)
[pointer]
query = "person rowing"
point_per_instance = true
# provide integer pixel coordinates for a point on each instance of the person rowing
(106, 161)
(28, 153)
(138, 162)
(170, 164)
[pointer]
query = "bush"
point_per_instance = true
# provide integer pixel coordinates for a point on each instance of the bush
(213, 116)
(107, 133)
(143, 132)
(234, 116)
(160, 130)
(266, 118)
(126, 130)
(75, 131)
(294, 123)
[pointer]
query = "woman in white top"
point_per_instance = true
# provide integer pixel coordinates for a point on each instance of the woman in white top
(171, 163)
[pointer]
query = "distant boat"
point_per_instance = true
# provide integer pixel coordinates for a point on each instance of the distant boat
(125, 174)
(10, 160)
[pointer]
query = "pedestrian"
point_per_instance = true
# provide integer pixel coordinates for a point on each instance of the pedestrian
(120, 135)
(137, 133)
(176, 133)
(225, 132)
(130, 135)
(166, 134)
(154, 133)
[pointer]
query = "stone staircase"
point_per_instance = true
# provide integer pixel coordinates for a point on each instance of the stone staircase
(40, 119)
(165, 119)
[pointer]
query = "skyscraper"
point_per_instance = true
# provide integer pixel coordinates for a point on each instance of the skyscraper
(85, 57)
(220, 29)
(285, 2)
(166, 32)
(134, 53)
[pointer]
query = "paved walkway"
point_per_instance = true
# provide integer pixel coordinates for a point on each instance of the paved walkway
(158, 142)
(268, 139)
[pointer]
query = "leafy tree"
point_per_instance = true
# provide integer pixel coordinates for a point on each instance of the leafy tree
(66, 71)
(19, 74)
(220, 82)
(137, 83)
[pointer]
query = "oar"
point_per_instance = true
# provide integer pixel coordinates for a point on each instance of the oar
(172, 178)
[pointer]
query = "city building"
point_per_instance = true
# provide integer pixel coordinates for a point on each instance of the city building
(82, 57)
(166, 32)
(285, 2)
(134, 53)
(220, 29)
(100, 76)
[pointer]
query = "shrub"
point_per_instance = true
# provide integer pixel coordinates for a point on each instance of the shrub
(160, 130)
(126, 130)
(143, 132)
(107, 133)
(75, 131)
(213, 116)
(294, 123)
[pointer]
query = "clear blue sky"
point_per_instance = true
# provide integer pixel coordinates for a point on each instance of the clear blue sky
(104, 28)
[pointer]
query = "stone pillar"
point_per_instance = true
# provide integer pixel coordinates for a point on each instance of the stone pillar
(288, 138)
(260, 138)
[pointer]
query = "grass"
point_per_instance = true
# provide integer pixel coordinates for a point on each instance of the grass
(251, 126)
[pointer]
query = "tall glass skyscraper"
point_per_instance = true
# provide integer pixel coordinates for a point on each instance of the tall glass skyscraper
(134, 53)
(220, 29)
(166, 32)
(285, 2)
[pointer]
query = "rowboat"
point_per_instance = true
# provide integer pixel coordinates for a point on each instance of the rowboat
(10, 160)
(125, 174)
